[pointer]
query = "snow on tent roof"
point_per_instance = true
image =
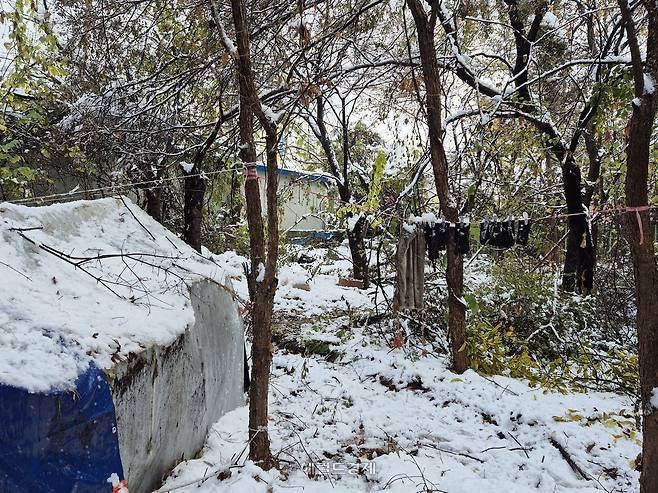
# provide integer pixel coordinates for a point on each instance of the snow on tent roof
(88, 279)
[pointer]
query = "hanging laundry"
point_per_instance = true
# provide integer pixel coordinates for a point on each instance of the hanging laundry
(495, 233)
(410, 268)
(485, 236)
(441, 231)
(498, 234)
(508, 234)
(463, 241)
(432, 243)
(523, 233)
(436, 238)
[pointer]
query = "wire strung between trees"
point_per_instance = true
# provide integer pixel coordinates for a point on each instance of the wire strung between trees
(117, 187)
(589, 214)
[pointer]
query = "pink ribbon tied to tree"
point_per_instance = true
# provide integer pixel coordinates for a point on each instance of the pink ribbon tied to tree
(637, 211)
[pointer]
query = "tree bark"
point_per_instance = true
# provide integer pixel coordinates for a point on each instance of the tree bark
(154, 203)
(356, 241)
(194, 192)
(263, 262)
(594, 194)
(356, 237)
(578, 270)
(639, 232)
(455, 270)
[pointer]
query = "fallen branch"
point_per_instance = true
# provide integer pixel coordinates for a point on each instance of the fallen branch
(525, 451)
(15, 270)
(452, 452)
(565, 455)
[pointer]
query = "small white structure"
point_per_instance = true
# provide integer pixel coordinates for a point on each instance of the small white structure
(102, 281)
(307, 199)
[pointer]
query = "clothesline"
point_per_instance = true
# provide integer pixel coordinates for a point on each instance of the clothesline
(116, 187)
(590, 214)
(487, 225)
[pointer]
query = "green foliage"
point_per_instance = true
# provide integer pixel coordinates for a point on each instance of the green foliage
(521, 326)
(28, 84)
(220, 238)
(14, 182)
(494, 351)
(320, 348)
(370, 206)
(531, 303)
(499, 351)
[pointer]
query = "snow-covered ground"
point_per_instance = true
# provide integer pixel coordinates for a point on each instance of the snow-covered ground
(373, 418)
(310, 289)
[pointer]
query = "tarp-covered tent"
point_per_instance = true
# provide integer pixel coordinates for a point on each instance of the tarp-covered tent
(59, 441)
(119, 347)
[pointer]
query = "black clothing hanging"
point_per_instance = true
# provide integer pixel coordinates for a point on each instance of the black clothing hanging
(523, 233)
(495, 233)
(485, 235)
(432, 242)
(441, 231)
(462, 231)
(508, 233)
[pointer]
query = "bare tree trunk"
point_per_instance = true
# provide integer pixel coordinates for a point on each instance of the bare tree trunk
(579, 258)
(594, 194)
(455, 271)
(194, 192)
(639, 232)
(263, 263)
(154, 203)
(235, 204)
(646, 289)
(356, 241)
(356, 237)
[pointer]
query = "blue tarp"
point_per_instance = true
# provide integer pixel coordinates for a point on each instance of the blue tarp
(59, 442)
(314, 235)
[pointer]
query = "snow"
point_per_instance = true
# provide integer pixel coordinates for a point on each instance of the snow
(117, 485)
(269, 113)
(352, 220)
(187, 167)
(654, 399)
(381, 419)
(323, 291)
(550, 21)
(228, 42)
(649, 84)
(261, 272)
(425, 218)
(56, 317)
(409, 228)
(458, 434)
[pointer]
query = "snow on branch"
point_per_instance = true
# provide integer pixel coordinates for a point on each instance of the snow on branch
(228, 44)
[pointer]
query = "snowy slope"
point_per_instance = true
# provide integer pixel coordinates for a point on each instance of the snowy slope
(322, 292)
(382, 419)
(126, 291)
